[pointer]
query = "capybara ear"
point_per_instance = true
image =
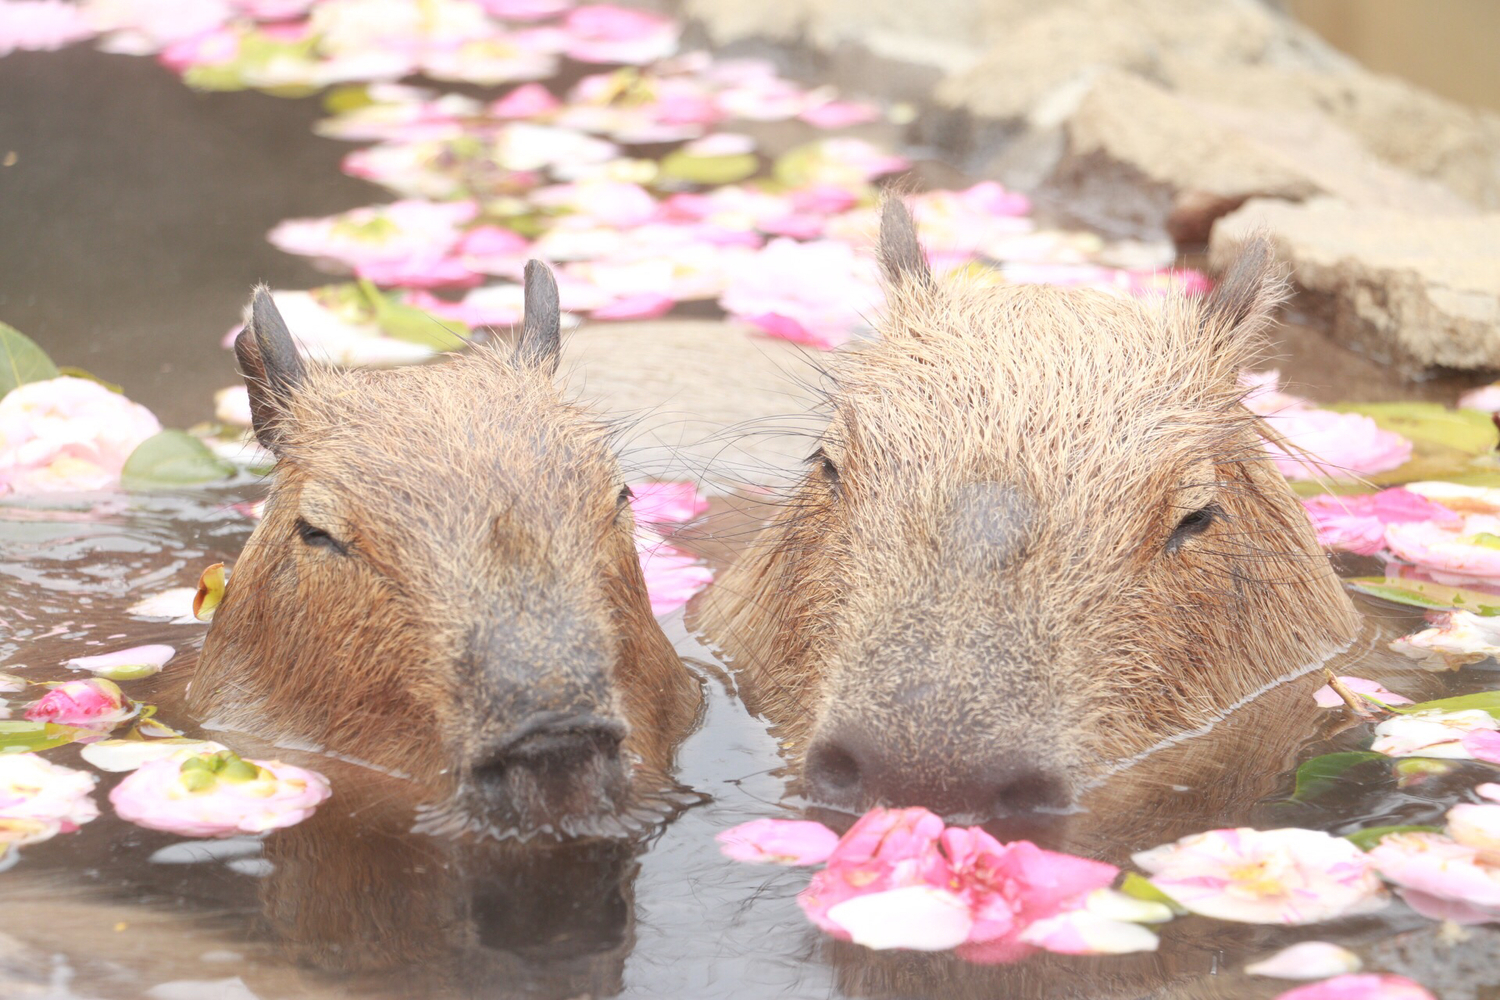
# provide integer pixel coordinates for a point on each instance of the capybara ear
(271, 365)
(901, 257)
(540, 345)
(1242, 304)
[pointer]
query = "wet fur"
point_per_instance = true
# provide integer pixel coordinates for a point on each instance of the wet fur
(976, 565)
(484, 568)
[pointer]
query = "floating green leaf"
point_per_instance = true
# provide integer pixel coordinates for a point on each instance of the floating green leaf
(1366, 839)
(173, 458)
(1316, 776)
(21, 361)
(1486, 701)
(411, 324)
(73, 372)
(25, 736)
(1468, 431)
(1423, 594)
(350, 97)
(1137, 886)
(710, 170)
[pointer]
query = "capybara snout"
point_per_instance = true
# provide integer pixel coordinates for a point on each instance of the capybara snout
(445, 581)
(1038, 536)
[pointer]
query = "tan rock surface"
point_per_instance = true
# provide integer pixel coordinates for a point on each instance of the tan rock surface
(1422, 290)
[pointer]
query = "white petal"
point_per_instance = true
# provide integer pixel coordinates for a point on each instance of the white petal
(1307, 960)
(918, 917)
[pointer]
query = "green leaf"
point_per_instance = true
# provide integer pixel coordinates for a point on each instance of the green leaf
(21, 361)
(1137, 886)
(1422, 594)
(173, 458)
(1468, 431)
(1366, 839)
(709, 170)
(1316, 776)
(26, 736)
(411, 324)
(1487, 701)
(73, 372)
(350, 97)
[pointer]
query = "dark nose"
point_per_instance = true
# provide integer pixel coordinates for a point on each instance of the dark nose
(854, 772)
(552, 741)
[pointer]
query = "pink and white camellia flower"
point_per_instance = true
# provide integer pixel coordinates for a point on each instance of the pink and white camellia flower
(1464, 549)
(1287, 876)
(603, 33)
(406, 242)
(1442, 877)
(126, 664)
(816, 293)
(65, 434)
(899, 879)
(1357, 523)
(218, 795)
(1446, 735)
(1327, 697)
(657, 503)
(1455, 639)
(41, 25)
(38, 790)
(96, 703)
(1324, 443)
(1367, 986)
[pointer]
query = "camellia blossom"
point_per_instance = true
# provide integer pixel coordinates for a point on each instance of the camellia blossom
(406, 242)
(1327, 697)
(1433, 734)
(218, 795)
(1467, 548)
(126, 664)
(1455, 638)
(1323, 443)
(34, 788)
(67, 433)
(899, 879)
(96, 703)
(1286, 876)
(1307, 960)
(1442, 876)
(814, 293)
(41, 25)
(1357, 523)
(1368, 986)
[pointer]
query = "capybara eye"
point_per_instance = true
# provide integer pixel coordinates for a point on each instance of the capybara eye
(318, 538)
(1193, 524)
(825, 466)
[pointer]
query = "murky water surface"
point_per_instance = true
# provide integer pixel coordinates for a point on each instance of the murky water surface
(133, 224)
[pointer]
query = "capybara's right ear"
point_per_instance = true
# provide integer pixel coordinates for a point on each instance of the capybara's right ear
(540, 346)
(901, 256)
(271, 365)
(1243, 303)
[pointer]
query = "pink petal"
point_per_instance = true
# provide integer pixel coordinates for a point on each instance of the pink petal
(1369, 986)
(530, 100)
(1326, 697)
(655, 503)
(647, 305)
(1483, 745)
(1307, 960)
(779, 841)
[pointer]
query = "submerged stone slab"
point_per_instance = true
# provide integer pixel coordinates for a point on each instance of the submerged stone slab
(1418, 289)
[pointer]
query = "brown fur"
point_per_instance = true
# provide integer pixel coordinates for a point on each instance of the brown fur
(976, 587)
(471, 564)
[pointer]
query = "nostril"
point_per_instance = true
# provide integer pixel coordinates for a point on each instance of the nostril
(553, 741)
(1033, 791)
(831, 768)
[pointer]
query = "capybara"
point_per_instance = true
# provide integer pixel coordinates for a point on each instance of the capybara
(1039, 537)
(445, 584)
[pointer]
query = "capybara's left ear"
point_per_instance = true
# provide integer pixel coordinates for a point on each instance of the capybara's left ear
(1243, 304)
(271, 366)
(540, 345)
(901, 258)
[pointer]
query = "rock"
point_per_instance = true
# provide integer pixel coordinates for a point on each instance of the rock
(1418, 289)
(1137, 156)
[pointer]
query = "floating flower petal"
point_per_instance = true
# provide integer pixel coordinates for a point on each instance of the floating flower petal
(779, 841)
(1307, 960)
(1432, 734)
(1455, 639)
(1369, 986)
(96, 703)
(65, 434)
(36, 791)
(126, 664)
(127, 755)
(1327, 697)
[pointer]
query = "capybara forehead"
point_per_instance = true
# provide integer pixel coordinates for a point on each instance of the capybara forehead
(470, 429)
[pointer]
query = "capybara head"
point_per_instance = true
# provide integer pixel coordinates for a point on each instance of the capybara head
(445, 582)
(1038, 536)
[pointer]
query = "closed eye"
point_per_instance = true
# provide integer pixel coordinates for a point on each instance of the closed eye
(319, 539)
(1195, 523)
(825, 465)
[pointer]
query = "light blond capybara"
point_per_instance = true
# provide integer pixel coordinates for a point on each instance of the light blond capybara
(445, 585)
(1039, 536)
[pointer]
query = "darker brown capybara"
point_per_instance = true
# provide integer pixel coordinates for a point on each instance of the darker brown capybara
(445, 584)
(1038, 537)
